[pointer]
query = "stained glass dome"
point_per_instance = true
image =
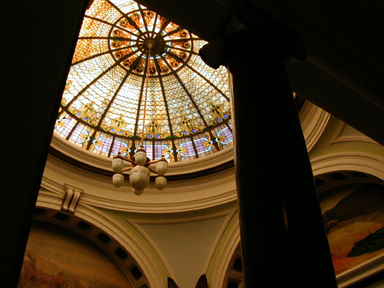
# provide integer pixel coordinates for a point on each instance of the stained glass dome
(181, 107)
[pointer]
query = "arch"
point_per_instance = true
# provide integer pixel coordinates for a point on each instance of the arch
(349, 161)
(127, 251)
(346, 163)
(217, 271)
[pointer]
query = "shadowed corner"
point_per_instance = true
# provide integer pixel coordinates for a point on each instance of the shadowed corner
(201, 283)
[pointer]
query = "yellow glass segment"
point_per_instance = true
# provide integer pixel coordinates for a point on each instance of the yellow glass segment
(119, 91)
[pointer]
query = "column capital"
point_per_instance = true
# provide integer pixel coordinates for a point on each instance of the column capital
(252, 28)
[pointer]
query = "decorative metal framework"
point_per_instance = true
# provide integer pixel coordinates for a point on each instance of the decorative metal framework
(102, 110)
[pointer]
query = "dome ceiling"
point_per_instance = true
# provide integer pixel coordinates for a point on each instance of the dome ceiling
(114, 96)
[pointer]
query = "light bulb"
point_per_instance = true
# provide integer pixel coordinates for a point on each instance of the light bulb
(118, 180)
(139, 178)
(117, 165)
(160, 182)
(140, 158)
(162, 167)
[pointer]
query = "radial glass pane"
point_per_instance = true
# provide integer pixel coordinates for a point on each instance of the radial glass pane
(136, 75)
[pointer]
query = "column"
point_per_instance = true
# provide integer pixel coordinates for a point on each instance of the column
(39, 38)
(283, 239)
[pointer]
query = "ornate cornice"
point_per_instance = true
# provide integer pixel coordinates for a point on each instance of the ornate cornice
(349, 161)
(200, 193)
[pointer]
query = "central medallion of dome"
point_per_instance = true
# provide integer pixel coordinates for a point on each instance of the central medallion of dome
(117, 92)
(170, 43)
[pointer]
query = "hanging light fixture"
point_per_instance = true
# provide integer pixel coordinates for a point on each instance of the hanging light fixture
(139, 173)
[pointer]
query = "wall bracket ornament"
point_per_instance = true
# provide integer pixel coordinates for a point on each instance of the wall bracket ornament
(71, 198)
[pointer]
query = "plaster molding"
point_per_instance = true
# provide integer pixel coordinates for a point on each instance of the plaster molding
(49, 200)
(219, 236)
(136, 223)
(360, 272)
(154, 246)
(183, 220)
(338, 138)
(349, 161)
(200, 193)
(71, 198)
(174, 168)
(51, 185)
(313, 122)
(312, 118)
(226, 215)
(219, 275)
(84, 212)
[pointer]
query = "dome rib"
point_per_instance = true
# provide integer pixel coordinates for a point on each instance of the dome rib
(116, 7)
(97, 78)
(207, 81)
(89, 85)
(102, 108)
(189, 95)
(135, 133)
(165, 100)
(101, 53)
(143, 16)
(167, 110)
(113, 98)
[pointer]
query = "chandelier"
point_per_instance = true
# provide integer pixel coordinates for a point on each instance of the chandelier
(139, 173)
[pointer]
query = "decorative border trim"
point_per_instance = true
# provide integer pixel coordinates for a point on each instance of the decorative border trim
(361, 272)
(182, 220)
(200, 193)
(103, 165)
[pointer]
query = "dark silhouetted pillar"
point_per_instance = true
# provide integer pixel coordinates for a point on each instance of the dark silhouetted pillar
(283, 239)
(38, 40)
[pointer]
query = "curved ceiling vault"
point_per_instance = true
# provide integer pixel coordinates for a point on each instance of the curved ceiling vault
(115, 95)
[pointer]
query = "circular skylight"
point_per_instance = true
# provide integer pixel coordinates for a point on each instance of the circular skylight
(181, 107)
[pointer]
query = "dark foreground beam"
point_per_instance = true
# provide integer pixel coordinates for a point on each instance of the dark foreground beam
(282, 232)
(39, 38)
(283, 240)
